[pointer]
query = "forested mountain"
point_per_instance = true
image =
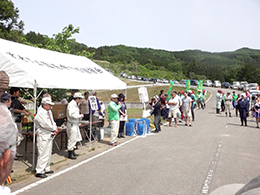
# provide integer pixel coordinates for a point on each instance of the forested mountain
(242, 64)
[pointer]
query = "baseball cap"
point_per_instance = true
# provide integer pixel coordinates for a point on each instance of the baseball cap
(114, 96)
(78, 95)
(47, 100)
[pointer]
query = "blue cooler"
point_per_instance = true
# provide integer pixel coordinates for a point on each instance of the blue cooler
(129, 128)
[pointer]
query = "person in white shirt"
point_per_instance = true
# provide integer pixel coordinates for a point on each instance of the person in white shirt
(186, 108)
(228, 103)
(84, 106)
(73, 118)
(174, 107)
(46, 130)
(8, 131)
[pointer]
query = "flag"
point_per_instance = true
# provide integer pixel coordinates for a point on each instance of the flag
(169, 91)
(187, 85)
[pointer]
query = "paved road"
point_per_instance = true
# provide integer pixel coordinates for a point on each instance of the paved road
(195, 160)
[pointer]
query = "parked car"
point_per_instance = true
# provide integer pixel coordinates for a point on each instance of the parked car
(253, 86)
(133, 77)
(164, 81)
(236, 85)
(242, 85)
(123, 74)
(139, 78)
(194, 82)
(216, 83)
(183, 82)
(176, 82)
(225, 85)
(254, 92)
(208, 83)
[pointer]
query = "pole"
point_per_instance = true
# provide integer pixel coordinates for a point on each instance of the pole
(125, 93)
(90, 128)
(35, 97)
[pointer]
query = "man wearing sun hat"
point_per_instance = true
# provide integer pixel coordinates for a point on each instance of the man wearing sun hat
(113, 115)
(46, 130)
(73, 118)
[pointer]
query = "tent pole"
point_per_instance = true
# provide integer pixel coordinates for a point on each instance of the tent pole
(35, 98)
(125, 93)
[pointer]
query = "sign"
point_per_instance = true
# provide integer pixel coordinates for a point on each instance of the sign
(143, 94)
(93, 102)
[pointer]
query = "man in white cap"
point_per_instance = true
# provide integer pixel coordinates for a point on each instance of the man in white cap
(46, 130)
(113, 115)
(73, 118)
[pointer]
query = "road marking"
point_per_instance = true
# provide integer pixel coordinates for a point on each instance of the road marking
(214, 162)
(70, 168)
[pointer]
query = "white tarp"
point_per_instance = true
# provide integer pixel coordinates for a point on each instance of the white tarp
(25, 64)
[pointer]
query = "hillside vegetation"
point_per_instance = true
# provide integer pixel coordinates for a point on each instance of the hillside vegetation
(242, 64)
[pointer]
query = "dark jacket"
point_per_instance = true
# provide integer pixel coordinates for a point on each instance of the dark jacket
(157, 108)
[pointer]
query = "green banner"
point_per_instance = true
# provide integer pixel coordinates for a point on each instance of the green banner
(169, 91)
(187, 85)
(200, 86)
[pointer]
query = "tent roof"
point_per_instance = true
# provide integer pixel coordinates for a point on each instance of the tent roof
(25, 64)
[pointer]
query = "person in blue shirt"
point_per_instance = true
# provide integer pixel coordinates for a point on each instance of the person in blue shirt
(243, 107)
(192, 104)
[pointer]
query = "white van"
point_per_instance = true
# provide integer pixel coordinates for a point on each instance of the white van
(207, 83)
(217, 83)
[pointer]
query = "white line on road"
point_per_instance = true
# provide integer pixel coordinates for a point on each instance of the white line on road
(206, 185)
(70, 168)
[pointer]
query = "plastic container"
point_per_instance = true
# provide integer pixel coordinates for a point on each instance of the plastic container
(132, 120)
(147, 122)
(129, 128)
(140, 129)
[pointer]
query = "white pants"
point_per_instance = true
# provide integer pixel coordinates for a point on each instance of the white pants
(44, 145)
(114, 130)
(74, 135)
(228, 108)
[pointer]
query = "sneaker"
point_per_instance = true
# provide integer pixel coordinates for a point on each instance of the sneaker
(189, 125)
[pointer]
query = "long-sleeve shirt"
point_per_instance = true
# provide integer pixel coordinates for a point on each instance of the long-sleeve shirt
(73, 113)
(113, 113)
(44, 122)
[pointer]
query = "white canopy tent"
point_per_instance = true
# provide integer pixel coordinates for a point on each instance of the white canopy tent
(25, 64)
(30, 67)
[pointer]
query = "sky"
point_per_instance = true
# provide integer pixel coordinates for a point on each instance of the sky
(173, 25)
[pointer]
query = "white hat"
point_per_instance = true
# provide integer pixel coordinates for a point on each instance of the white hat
(189, 91)
(78, 95)
(114, 96)
(47, 100)
(243, 94)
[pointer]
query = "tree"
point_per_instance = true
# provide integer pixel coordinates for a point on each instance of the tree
(10, 26)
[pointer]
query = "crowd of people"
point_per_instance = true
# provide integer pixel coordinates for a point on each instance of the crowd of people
(79, 109)
(244, 104)
(176, 107)
(179, 107)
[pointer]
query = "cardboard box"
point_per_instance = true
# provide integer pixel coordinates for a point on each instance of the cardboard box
(59, 111)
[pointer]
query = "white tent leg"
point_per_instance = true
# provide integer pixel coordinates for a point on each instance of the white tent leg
(35, 98)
